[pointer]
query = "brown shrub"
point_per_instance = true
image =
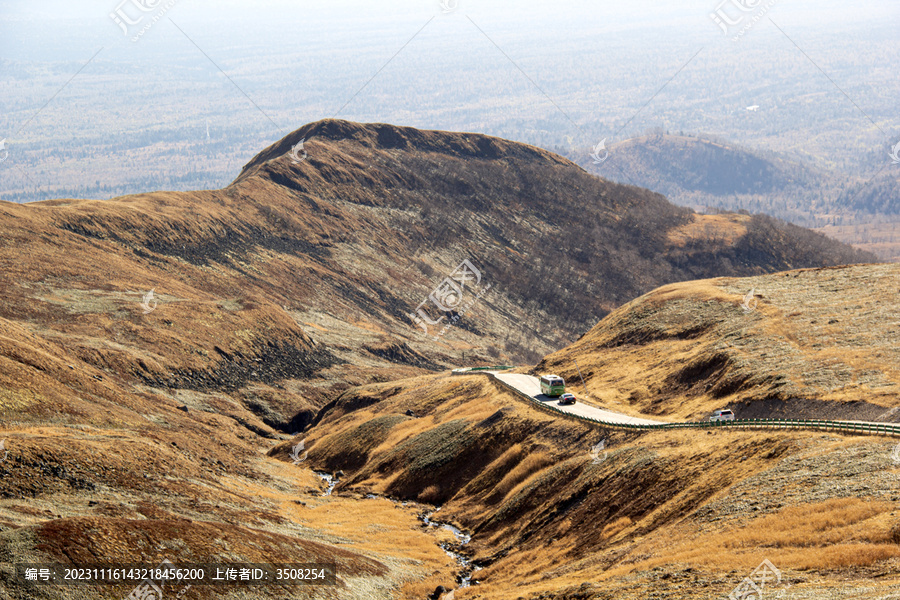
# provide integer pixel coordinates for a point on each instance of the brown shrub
(430, 495)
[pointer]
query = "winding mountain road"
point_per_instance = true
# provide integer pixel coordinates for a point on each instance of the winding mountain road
(531, 386)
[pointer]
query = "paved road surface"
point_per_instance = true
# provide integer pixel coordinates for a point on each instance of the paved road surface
(530, 385)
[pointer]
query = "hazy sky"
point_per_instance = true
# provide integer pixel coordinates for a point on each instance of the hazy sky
(87, 24)
(545, 73)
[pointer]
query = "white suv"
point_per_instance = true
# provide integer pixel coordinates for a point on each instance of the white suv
(722, 415)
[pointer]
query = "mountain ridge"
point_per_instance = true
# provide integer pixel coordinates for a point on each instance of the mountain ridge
(282, 305)
(322, 261)
(705, 172)
(391, 137)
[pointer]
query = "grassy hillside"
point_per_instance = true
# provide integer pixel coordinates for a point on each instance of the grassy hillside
(819, 343)
(684, 514)
(299, 279)
(139, 426)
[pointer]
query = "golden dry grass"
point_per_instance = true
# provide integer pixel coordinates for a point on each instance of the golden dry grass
(431, 494)
(686, 349)
(525, 470)
(704, 228)
(187, 395)
(834, 534)
(616, 527)
(831, 522)
(693, 470)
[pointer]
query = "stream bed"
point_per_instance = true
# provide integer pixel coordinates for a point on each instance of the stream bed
(467, 567)
(331, 480)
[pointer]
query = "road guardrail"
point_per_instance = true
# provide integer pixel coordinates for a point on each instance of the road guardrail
(860, 427)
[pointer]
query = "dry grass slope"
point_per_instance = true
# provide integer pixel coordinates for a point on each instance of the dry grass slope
(136, 433)
(819, 343)
(701, 509)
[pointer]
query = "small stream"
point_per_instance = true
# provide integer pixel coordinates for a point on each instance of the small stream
(331, 480)
(467, 568)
